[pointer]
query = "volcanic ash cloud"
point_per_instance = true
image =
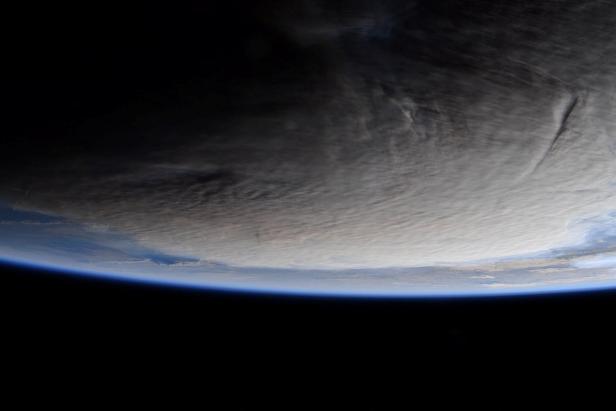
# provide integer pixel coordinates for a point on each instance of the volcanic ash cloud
(483, 137)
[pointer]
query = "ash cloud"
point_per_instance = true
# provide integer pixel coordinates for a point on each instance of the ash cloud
(357, 136)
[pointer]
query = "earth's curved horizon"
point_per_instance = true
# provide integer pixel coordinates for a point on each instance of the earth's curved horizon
(51, 243)
(392, 148)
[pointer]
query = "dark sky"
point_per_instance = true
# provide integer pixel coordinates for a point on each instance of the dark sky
(58, 320)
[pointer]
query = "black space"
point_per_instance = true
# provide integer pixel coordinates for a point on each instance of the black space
(52, 318)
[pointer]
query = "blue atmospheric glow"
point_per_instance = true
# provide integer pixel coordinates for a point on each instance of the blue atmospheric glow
(282, 291)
